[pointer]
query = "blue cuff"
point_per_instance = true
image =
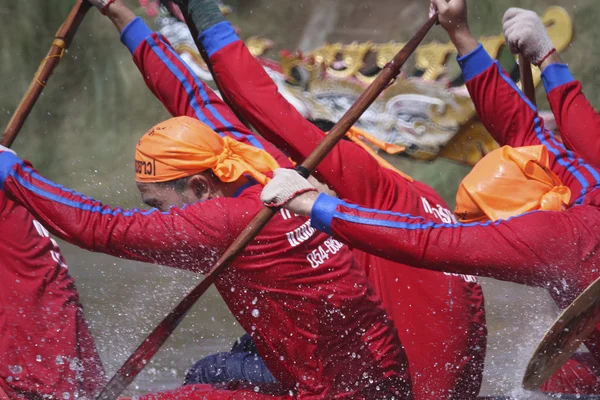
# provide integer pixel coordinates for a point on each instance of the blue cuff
(7, 163)
(218, 36)
(556, 75)
(135, 33)
(475, 62)
(322, 212)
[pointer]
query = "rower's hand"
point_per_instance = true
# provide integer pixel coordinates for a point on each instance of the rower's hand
(3, 149)
(289, 190)
(525, 33)
(452, 14)
(103, 5)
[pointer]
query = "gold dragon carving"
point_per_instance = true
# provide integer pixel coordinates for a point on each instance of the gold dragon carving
(450, 127)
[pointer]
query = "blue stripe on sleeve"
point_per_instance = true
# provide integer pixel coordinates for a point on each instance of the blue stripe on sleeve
(73, 203)
(556, 75)
(7, 162)
(40, 178)
(134, 34)
(204, 96)
(182, 79)
(409, 225)
(475, 62)
(323, 211)
(555, 147)
(218, 36)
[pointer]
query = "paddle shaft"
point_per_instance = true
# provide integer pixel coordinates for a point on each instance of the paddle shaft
(134, 365)
(62, 41)
(527, 78)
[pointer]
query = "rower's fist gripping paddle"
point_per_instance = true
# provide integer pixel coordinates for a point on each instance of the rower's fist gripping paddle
(561, 341)
(61, 43)
(134, 365)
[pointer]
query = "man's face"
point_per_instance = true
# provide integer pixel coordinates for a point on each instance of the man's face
(160, 196)
(191, 190)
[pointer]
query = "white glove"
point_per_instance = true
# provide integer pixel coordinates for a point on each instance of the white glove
(101, 5)
(285, 186)
(3, 149)
(525, 33)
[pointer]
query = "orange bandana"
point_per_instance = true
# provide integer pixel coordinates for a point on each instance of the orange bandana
(508, 182)
(184, 146)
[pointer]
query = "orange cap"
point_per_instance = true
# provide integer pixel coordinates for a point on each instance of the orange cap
(508, 182)
(184, 146)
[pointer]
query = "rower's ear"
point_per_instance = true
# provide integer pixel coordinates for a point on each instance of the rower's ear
(200, 186)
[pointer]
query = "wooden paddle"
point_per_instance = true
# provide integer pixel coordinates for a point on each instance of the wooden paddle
(527, 78)
(61, 43)
(561, 341)
(140, 358)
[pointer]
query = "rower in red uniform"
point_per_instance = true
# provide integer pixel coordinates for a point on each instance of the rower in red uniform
(440, 317)
(511, 187)
(46, 349)
(579, 125)
(576, 119)
(321, 330)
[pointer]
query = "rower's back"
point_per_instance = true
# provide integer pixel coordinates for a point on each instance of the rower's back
(46, 349)
(311, 311)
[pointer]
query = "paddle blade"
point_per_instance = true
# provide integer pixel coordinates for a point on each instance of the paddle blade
(561, 341)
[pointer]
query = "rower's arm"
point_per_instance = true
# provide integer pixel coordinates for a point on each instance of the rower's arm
(189, 238)
(181, 91)
(348, 169)
(577, 121)
(506, 113)
(174, 83)
(523, 249)
(504, 110)
(168, 77)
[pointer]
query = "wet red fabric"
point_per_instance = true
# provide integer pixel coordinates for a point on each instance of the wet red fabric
(46, 348)
(440, 317)
(208, 392)
(577, 121)
(302, 296)
(555, 250)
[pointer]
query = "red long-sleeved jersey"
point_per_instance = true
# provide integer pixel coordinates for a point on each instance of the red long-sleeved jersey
(440, 317)
(555, 250)
(577, 121)
(308, 305)
(46, 349)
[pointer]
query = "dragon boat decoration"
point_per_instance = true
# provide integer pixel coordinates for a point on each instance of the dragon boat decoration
(427, 111)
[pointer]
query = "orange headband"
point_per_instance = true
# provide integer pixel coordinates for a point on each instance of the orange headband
(508, 182)
(184, 146)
